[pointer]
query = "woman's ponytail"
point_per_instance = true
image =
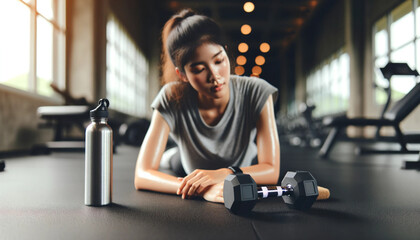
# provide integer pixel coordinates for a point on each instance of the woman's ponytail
(168, 67)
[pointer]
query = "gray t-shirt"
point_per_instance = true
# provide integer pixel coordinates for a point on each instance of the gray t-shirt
(231, 141)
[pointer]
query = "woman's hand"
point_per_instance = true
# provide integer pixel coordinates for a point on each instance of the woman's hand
(196, 183)
(214, 193)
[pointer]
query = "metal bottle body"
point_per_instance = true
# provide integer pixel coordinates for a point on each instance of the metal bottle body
(98, 163)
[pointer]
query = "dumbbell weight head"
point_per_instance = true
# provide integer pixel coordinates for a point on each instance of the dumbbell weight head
(240, 193)
(305, 189)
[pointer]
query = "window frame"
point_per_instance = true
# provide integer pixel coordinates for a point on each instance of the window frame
(59, 58)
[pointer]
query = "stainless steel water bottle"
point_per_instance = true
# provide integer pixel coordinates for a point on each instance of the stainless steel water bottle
(98, 157)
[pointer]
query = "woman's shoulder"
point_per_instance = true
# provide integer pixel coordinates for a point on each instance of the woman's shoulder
(170, 89)
(253, 87)
(245, 82)
(166, 93)
(167, 87)
(175, 93)
(238, 78)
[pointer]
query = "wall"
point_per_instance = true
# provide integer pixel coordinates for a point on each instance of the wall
(318, 39)
(81, 72)
(19, 121)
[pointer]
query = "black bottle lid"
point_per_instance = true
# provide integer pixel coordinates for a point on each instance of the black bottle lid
(101, 111)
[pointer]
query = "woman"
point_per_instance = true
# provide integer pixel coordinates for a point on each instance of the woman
(213, 116)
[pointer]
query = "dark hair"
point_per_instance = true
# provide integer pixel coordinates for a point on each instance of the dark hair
(182, 34)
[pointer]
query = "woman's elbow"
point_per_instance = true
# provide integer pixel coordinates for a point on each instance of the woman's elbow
(275, 174)
(139, 180)
(270, 175)
(137, 184)
(272, 178)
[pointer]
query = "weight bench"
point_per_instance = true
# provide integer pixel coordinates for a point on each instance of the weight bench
(62, 118)
(391, 117)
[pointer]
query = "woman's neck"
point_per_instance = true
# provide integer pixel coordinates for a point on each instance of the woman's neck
(212, 109)
(207, 103)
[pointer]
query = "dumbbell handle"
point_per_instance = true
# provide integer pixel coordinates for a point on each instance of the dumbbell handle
(273, 191)
(278, 191)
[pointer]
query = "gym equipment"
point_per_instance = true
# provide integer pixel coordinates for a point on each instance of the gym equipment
(299, 190)
(301, 129)
(2, 165)
(64, 116)
(63, 119)
(392, 117)
(391, 69)
(133, 133)
(412, 164)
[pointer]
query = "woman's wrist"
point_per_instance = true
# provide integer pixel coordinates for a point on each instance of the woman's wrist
(226, 171)
(235, 170)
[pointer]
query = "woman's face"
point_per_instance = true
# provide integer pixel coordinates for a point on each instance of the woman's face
(208, 72)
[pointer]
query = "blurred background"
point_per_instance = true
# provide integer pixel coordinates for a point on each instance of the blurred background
(322, 53)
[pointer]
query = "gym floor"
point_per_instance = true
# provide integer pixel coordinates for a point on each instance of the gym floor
(41, 197)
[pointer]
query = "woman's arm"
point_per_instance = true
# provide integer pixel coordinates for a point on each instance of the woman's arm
(267, 170)
(146, 175)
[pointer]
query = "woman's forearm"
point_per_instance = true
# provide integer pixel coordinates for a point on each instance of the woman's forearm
(156, 181)
(268, 170)
(147, 176)
(263, 173)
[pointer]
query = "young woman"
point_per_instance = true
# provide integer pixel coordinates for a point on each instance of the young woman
(220, 122)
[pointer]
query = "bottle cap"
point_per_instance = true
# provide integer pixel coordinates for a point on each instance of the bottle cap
(101, 111)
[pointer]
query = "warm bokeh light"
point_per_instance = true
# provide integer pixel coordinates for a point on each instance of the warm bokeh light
(241, 60)
(239, 70)
(299, 21)
(174, 4)
(249, 7)
(259, 60)
(257, 70)
(243, 47)
(246, 29)
(264, 47)
(313, 3)
(255, 75)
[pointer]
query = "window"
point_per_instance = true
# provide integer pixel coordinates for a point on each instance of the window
(32, 45)
(328, 86)
(127, 71)
(396, 38)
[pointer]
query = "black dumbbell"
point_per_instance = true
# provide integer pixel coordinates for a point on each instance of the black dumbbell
(299, 190)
